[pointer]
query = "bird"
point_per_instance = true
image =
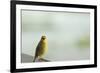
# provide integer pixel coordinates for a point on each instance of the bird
(41, 48)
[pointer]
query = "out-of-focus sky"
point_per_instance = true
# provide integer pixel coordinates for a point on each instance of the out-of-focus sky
(67, 33)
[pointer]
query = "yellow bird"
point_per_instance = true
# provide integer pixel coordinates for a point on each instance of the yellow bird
(41, 48)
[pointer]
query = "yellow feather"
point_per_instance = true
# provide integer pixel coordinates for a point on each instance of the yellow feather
(44, 48)
(41, 48)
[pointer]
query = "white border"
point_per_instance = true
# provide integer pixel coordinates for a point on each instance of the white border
(20, 65)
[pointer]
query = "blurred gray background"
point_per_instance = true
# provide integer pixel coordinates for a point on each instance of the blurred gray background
(68, 35)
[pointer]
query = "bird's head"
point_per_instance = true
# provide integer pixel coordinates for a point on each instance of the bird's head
(43, 37)
(44, 40)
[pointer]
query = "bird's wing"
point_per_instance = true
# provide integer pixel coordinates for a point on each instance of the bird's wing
(37, 50)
